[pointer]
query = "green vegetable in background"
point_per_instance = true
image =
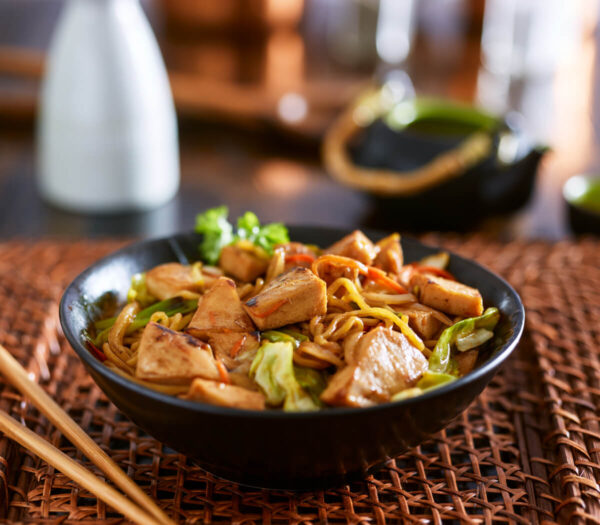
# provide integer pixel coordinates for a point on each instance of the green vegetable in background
(473, 330)
(265, 237)
(170, 307)
(217, 232)
(138, 291)
(273, 371)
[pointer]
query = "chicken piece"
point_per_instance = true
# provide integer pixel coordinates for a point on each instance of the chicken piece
(235, 349)
(448, 296)
(295, 296)
(225, 395)
(390, 256)
(356, 246)
(384, 363)
(242, 264)
(173, 357)
(422, 320)
(220, 310)
(466, 361)
(167, 280)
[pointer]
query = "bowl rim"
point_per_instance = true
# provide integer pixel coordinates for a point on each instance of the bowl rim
(88, 359)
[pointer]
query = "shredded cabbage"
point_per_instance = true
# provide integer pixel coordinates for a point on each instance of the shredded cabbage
(273, 371)
(139, 292)
(440, 358)
(429, 381)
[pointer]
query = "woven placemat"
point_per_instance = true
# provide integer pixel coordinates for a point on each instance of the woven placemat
(526, 451)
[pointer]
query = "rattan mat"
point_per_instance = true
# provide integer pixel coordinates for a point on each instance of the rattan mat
(527, 451)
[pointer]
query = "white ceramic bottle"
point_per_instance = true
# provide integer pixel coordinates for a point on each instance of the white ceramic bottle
(107, 131)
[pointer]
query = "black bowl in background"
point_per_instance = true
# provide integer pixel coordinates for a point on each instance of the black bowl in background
(491, 187)
(275, 449)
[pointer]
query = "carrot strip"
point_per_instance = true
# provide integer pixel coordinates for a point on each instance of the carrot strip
(223, 373)
(299, 257)
(271, 310)
(381, 278)
(235, 349)
(435, 271)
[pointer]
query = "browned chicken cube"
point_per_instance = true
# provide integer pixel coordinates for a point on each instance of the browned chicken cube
(356, 246)
(167, 280)
(220, 310)
(225, 395)
(448, 296)
(384, 362)
(422, 320)
(242, 264)
(390, 257)
(466, 361)
(173, 357)
(235, 349)
(296, 295)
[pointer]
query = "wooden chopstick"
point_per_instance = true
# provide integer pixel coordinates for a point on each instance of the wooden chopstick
(22, 435)
(19, 378)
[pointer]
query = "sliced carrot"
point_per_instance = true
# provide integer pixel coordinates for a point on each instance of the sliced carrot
(235, 349)
(223, 373)
(271, 310)
(299, 257)
(435, 271)
(381, 278)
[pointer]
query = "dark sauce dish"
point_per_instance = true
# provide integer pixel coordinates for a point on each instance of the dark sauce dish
(272, 448)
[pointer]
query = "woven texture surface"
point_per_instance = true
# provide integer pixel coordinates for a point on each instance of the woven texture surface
(526, 451)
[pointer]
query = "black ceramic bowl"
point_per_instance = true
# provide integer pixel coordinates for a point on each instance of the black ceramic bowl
(490, 187)
(275, 449)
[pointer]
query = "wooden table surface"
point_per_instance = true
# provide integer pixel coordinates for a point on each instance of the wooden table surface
(254, 162)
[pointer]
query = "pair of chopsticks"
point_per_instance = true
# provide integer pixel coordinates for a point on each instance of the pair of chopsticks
(141, 510)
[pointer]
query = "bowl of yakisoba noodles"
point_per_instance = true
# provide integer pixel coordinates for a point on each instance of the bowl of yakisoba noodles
(289, 357)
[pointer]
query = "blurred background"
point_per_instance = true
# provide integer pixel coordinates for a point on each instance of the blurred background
(259, 87)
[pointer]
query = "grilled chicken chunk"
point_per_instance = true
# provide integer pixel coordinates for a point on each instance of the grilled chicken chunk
(296, 295)
(235, 349)
(167, 280)
(173, 357)
(384, 363)
(242, 264)
(390, 257)
(220, 310)
(422, 320)
(225, 395)
(355, 245)
(448, 296)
